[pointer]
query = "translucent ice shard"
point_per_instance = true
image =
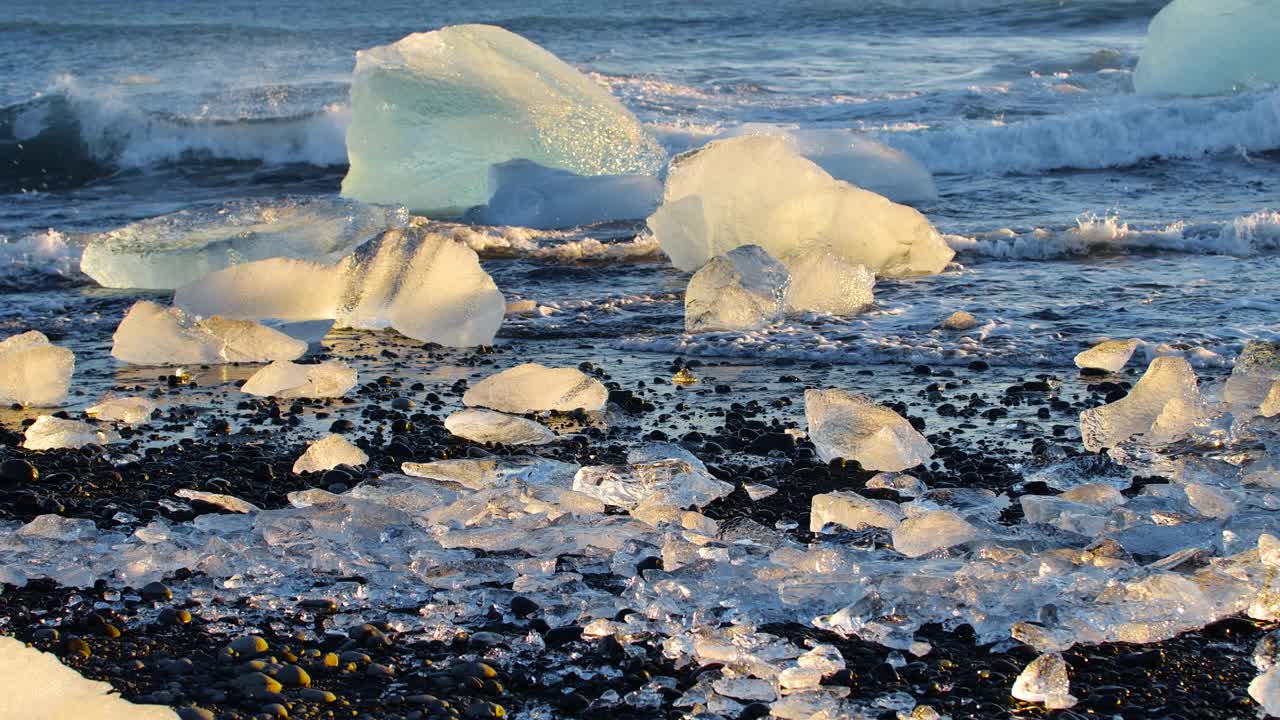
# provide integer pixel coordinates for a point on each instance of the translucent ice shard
(759, 191)
(853, 511)
(923, 534)
(1254, 372)
(173, 250)
(744, 289)
(1164, 405)
(496, 472)
(1265, 690)
(128, 410)
(527, 194)
(532, 388)
(49, 433)
(424, 284)
(432, 112)
(485, 426)
(229, 503)
(1209, 47)
(675, 482)
(1110, 356)
(284, 379)
(327, 453)
(34, 372)
(1045, 681)
(152, 334)
(822, 281)
(851, 426)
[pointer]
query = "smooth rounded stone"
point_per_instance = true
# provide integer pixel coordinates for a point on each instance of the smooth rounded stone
(485, 709)
(45, 635)
(742, 289)
(317, 696)
(275, 710)
(33, 372)
(293, 676)
(1110, 356)
(16, 470)
(194, 713)
(531, 388)
(320, 605)
(256, 684)
(170, 616)
(156, 591)
(487, 426)
(522, 606)
(380, 670)
(474, 669)
(248, 646)
(959, 321)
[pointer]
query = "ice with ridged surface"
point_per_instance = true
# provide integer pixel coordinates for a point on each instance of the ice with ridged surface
(1164, 405)
(743, 289)
(756, 190)
(153, 334)
(823, 282)
(1210, 47)
(51, 433)
(1255, 371)
(1110, 356)
(327, 453)
(935, 530)
(526, 194)
(127, 410)
(432, 112)
(486, 426)
(850, 426)
(531, 387)
(673, 482)
(1045, 681)
(33, 371)
(853, 511)
(425, 284)
(169, 251)
(284, 379)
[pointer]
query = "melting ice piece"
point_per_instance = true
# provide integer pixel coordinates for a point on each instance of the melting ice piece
(34, 372)
(173, 250)
(485, 426)
(1252, 376)
(1163, 406)
(152, 334)
(426, 285)
(527, 194)
(1209, 47)
(128, 410)
(431, 113)
(853, 511)
(284, 379)
(904, 485)
(486, 473)
(230, 503)
(1045, 681)
(50, 433)
(1110, 356)
(822, 281)
(34, 685)
(328, 453)
(1265, 690)
(675, 482)
(744, 289)
(850, 426)
(923, 534)
(759, 191)
(531, 387)
(1271, 405)
(960, 321)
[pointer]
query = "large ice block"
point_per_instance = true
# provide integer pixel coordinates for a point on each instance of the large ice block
(1210, 47)
(757, 190)
(850, 426)
(527, 194)
(923, 534)
(33, 371)
(432, 112)
(1045, 681)
(1110, 356)
(1164, 405)
(152, 334)
(422, 283)
(531, 388)
(51, 433)
(486, 426)
(743, 289)
(284, 379)
(822, 281)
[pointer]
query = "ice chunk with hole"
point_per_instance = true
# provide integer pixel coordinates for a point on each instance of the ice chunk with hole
(128, 410)
(173, 250)
(424, 284)
(432, 112)
(851, 426)
(1110, 356)
(327, 453)
(853, 511)
(674, 482)
(531, 387)
(34, 372)
(1045, 681)
(152, 334)
(487, 426)
(51, 433)
(744, 289)
(1164, 405)
(931, 531)
(527, 194)
(284, 379)
(1255, 371)
(823, 282)
(759, 191)
(1209, 47)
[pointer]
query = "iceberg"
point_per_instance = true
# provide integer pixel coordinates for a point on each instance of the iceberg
(487, 426)
(173, 250)
(823, 282)
(532, 388)
(34, 685)
(744, 289)
(757, 190)
(127, 410)
(1110, 356)
(51, 433)
(431, 113)
(328, 453)
(1163, 406)
(1210, 47)
(527, 194)
(284, 379)
(1255, 371)
(34, 372)
(152, 334)
(426, 285)
(851, 426)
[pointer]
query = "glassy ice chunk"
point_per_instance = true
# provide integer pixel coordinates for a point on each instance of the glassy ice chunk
(923, 534)
(675, 482)
(851, 426)
(759, 191)
(128, 410)
(959, 321)
(485, 426)
(527, 194)
(426, 285)
(56, 527)
(1110, 356)
(744, 289)
(1045, 681)
(432, 112)
(1265, 690)
(327, 453)
(34, 685)
(853, 511)
(1164, 405)
(746, 689)
(495, 472)
(285, 379)
(152, 334)
(531, 388)
(230, 503)
(904, 485)
(1209, 47)
(173, 250)
(1211, 501)
(50, 433)
(1254, 373)
(822, 281)
(33, 372)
